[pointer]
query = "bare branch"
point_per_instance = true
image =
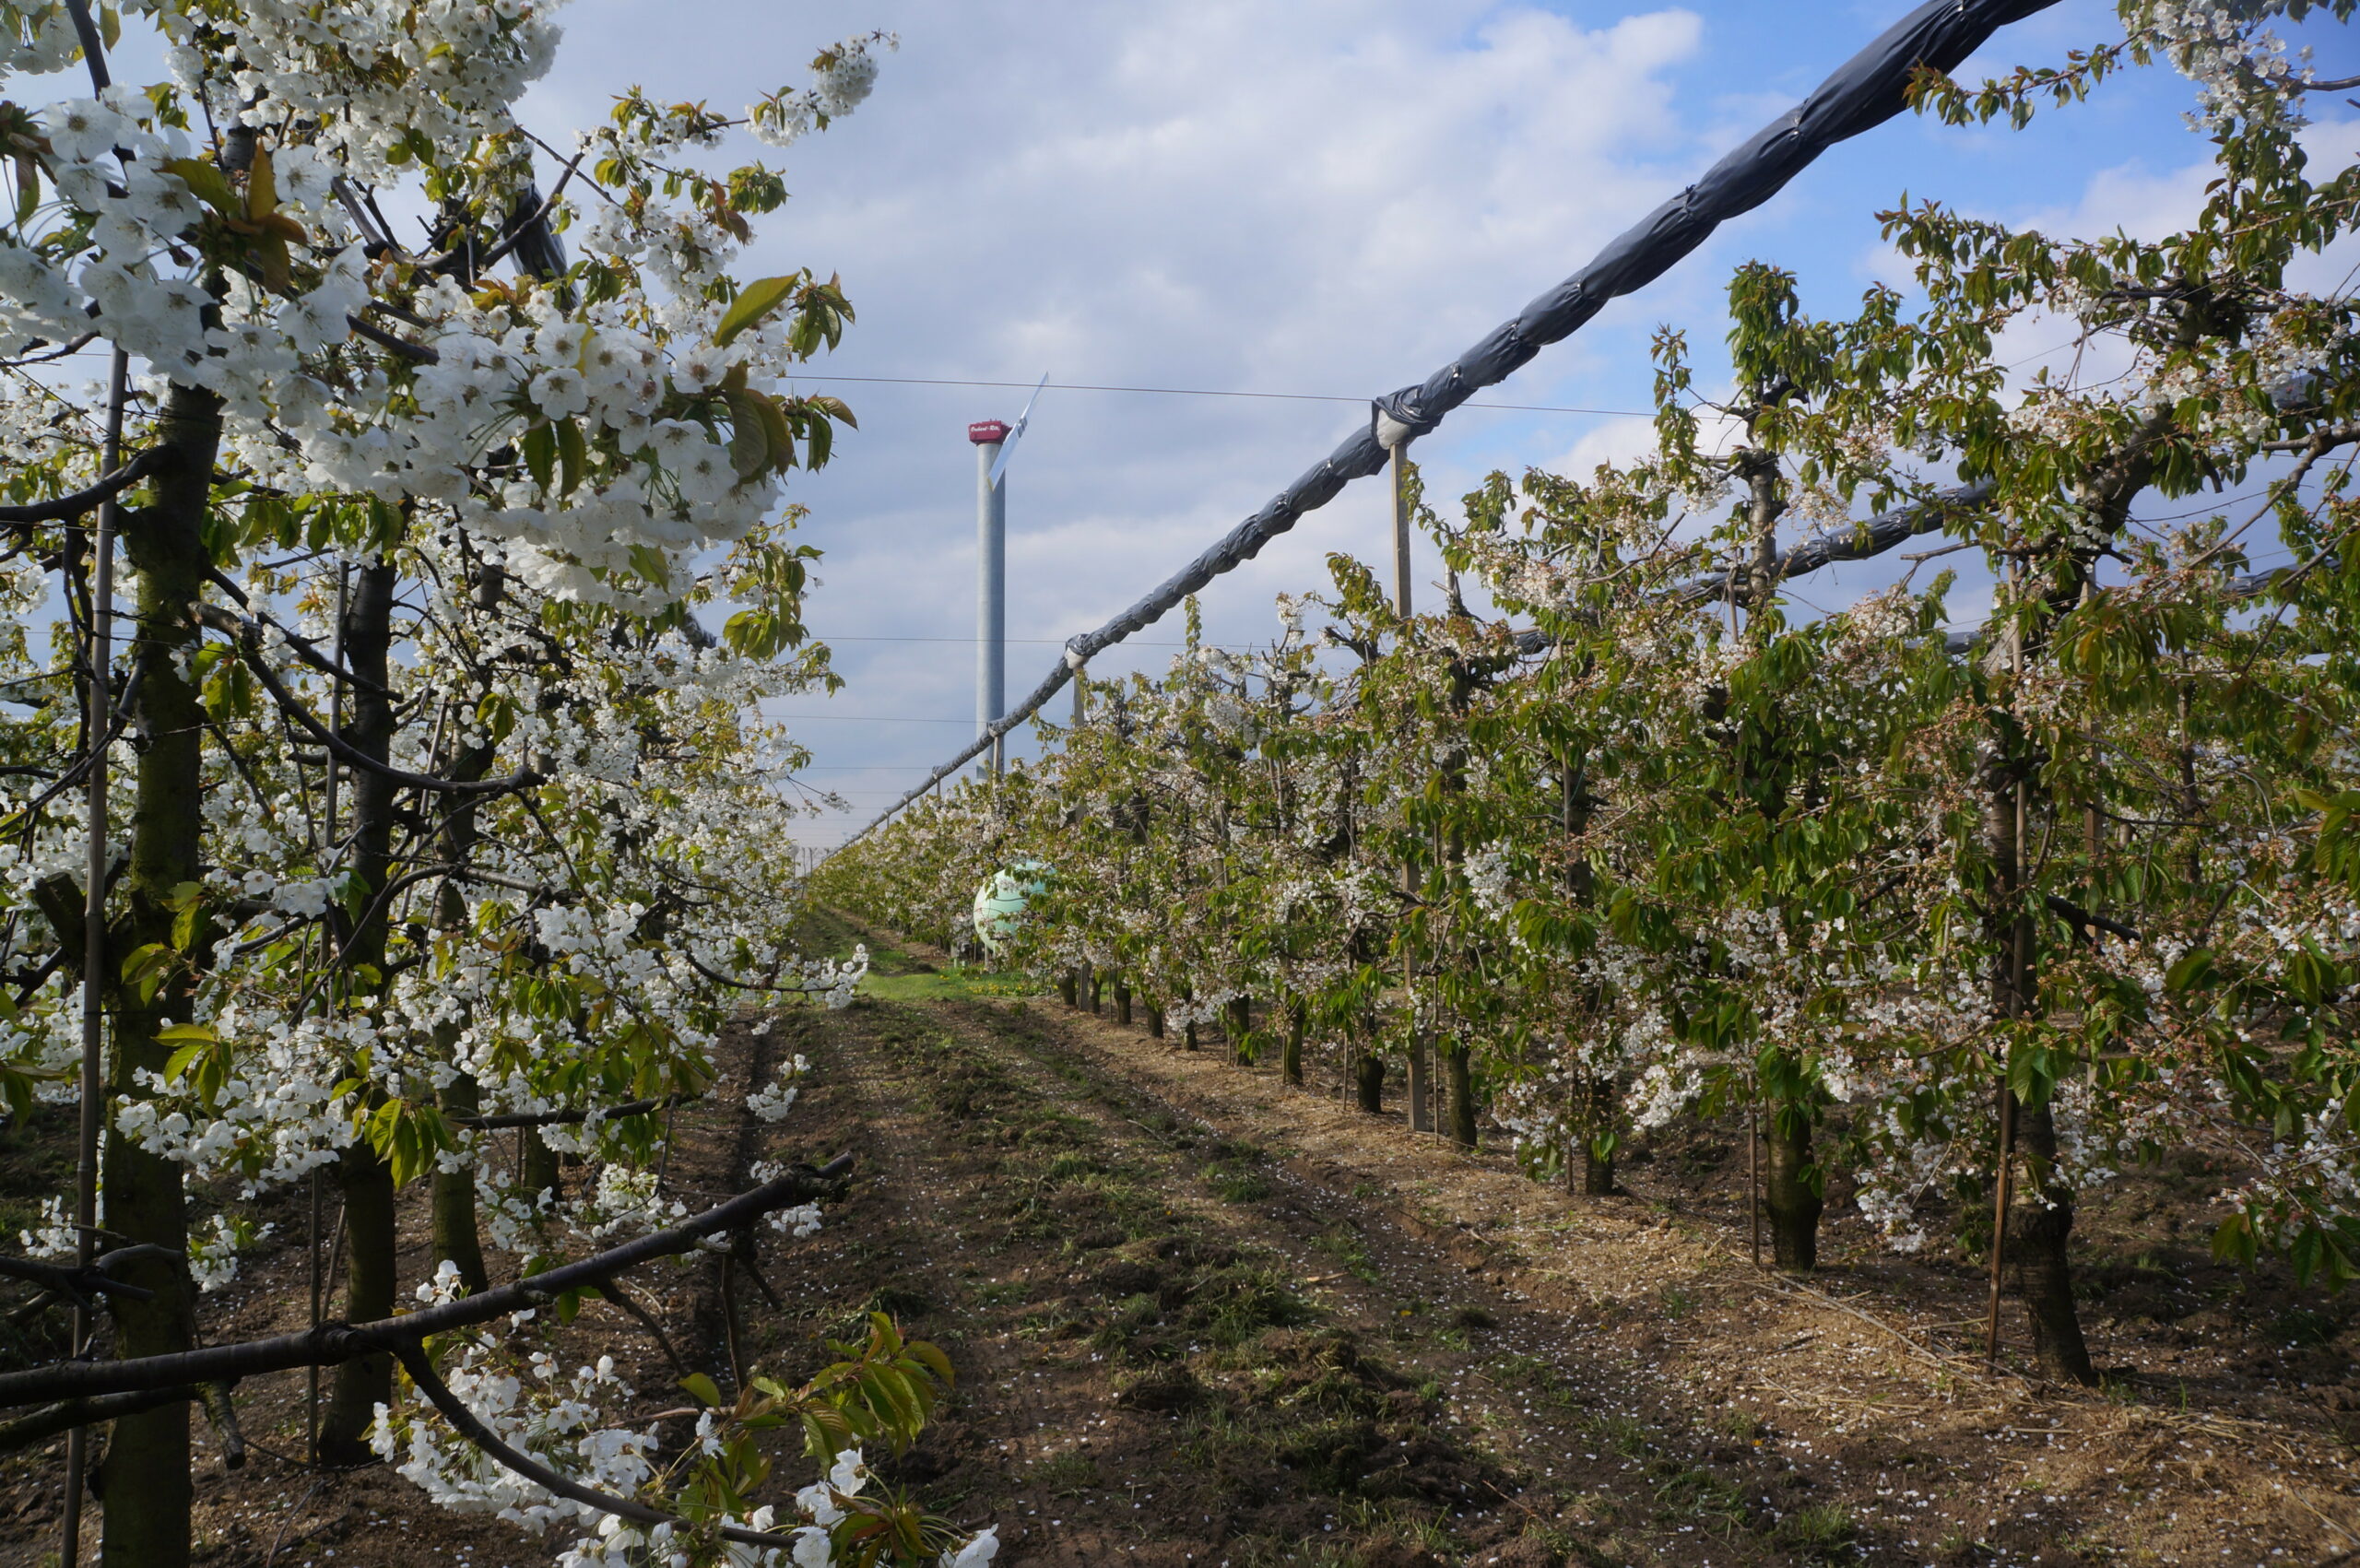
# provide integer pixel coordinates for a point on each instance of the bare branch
(106, 487)
(81, 1283)
(25, 1432)
(332, 1344)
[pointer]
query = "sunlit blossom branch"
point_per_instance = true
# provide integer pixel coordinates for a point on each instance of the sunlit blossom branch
(565, 1118)
(720, 979)
(465, 1422)
(332, 1344)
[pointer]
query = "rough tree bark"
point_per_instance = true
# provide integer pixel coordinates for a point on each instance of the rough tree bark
(366, 1180)
(145, 1479)
(1790, 1190)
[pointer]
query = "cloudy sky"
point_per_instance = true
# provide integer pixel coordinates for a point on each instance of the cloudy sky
(1315, 197)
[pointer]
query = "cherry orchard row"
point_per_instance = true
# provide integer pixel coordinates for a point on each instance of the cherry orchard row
(445, 811)
(1985, 918)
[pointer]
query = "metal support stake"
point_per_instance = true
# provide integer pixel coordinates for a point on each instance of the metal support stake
(1422, 1097)
(94, 926)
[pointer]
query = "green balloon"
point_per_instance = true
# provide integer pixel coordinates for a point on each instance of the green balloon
(1000, 901)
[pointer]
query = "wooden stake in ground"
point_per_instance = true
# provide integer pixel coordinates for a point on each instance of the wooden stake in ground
(1753, 1173)
(2000, 1197)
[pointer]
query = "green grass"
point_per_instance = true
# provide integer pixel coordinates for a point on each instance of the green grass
(956, 984)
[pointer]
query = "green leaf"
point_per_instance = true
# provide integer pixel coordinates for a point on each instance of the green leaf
(540, 453)
(750, 436)
(703, 1388)
(2195, 968)
(207, 183)
(572, 455)
(754, 301)
(144, 969)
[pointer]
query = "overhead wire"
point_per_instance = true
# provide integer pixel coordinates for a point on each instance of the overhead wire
(1206, 391)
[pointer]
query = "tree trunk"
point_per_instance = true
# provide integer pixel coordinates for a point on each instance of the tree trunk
(1368, 1080)
(1598, 1107)
(1154, 1021)
(541, 1172)
(1123, 1001)
(456, 1236)
(145, 1479)
(1291, 1059)
(1238, 1024)
(1791, 1191)
(367, 1181)
(1068, 989)
(1097, 992)
(2039, 1223)
(2038, 1228)
(1461, 1085)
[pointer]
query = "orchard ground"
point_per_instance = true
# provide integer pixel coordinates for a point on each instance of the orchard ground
(1203, 1318)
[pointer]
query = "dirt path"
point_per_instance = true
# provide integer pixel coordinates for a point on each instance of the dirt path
(1629, 1389)
(1184, 1344)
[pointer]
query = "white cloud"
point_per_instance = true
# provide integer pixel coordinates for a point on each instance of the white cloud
(1322, 196)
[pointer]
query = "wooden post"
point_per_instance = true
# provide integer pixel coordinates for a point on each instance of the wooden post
(2000, 1195)
(1753, 1173)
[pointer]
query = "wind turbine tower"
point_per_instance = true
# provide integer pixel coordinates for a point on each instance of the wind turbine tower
(995, 443)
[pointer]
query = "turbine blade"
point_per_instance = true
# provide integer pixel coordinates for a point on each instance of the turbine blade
(1007, 447)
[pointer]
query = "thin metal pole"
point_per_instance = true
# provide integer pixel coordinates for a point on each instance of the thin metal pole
(1422, 1107)
(94, 923)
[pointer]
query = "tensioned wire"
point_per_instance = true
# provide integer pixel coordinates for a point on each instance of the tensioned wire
(1862, 93)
